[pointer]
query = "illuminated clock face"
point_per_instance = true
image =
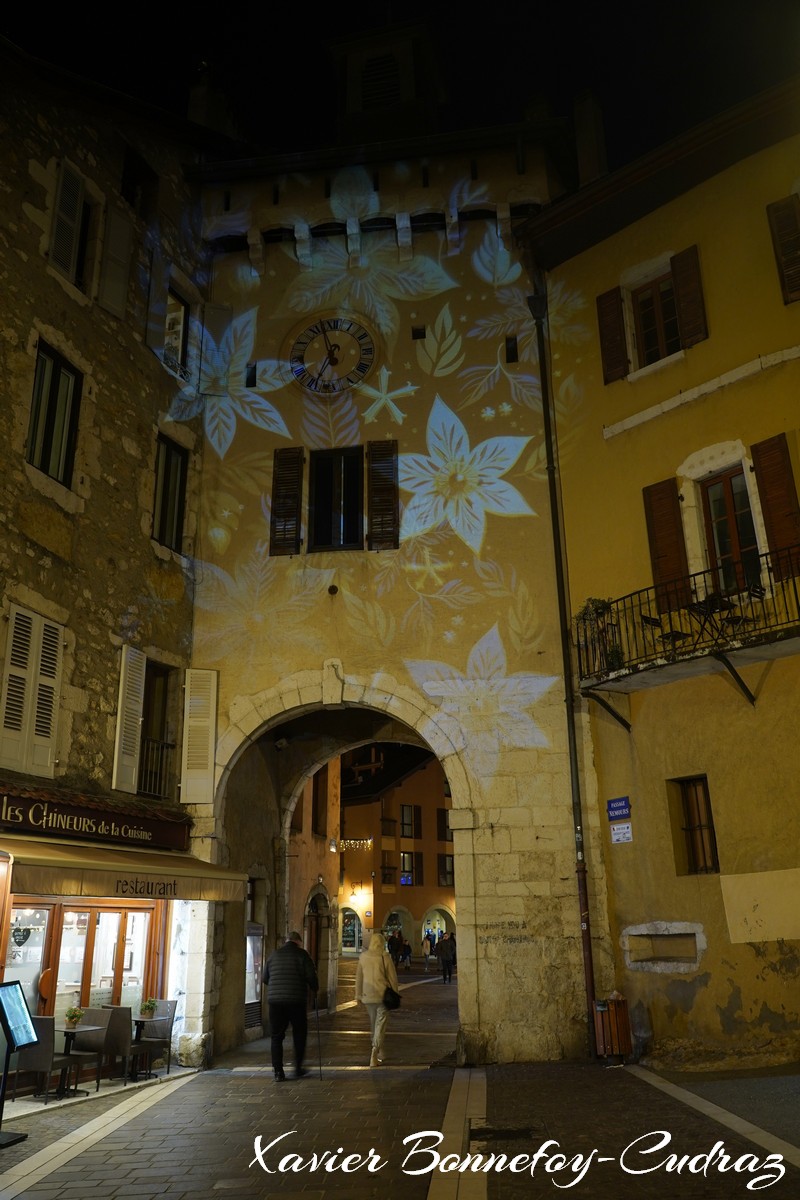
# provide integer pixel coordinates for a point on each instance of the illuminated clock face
(332, 355)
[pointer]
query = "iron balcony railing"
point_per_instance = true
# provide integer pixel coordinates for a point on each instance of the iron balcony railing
(724, 608)
(155, 768)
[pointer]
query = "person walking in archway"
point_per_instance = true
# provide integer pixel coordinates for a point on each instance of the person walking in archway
(374, 971)
(288, 974)
(446, 953)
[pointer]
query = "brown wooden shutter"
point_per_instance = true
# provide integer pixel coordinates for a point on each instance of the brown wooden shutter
(778, 494)
(287, 492)
(383, 503)
(441, 824)
(667, 548)
(688, 289)
(418, 872)
(417, 821)
(784, 224)
(613, 344)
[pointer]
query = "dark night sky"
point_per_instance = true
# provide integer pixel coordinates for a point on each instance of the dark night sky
(656, 70)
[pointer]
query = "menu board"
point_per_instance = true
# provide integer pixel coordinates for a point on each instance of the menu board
(15, 1017)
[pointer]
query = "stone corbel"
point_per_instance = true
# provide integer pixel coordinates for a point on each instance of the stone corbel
(302, 244)
(453, 231)
(404, 242)
(353, 242)
(255, 246)
(504, 225)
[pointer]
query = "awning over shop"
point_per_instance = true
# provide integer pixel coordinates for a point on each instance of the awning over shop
(44, 868)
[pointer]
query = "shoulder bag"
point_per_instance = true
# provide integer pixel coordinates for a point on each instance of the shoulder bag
(391, 998)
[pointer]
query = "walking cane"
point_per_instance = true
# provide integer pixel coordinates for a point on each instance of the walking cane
(319, 1039)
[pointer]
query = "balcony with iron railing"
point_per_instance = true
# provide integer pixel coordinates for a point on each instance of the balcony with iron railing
(752, 606)
(156, 768)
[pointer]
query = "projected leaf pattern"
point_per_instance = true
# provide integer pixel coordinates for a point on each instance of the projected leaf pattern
(490, 705)
(449, 492)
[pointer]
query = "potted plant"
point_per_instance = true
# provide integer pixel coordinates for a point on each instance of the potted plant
(72, 1016)
(148, 1007)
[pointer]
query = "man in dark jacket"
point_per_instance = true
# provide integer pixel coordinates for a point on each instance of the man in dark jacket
(288, 974)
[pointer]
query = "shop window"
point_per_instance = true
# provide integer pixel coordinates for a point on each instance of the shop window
(784, 224)
(53, 429)
(337, 513)
(170, 493)
(692, 821)
(655, 319)
(31, 692)
(445, 870)
(410, 820)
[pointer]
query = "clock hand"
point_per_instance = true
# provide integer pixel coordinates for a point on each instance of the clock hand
(331, 347)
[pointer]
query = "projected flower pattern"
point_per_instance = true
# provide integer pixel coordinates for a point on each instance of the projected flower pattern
(451, 492)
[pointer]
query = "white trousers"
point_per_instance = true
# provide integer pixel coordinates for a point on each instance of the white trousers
(377, 1022)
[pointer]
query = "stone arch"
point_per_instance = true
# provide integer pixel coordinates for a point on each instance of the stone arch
(273, 741)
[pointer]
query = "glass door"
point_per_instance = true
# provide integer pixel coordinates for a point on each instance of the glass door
(136, 930)
(26, 947)
(71, 957)
(104, 958)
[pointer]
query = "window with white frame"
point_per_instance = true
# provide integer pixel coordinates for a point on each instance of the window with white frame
(653, 318)
(53, 427)
(730, 516)
(30, 693)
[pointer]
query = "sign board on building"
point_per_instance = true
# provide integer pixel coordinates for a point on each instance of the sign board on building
(49, 818)
(622, 831)
(618, 809)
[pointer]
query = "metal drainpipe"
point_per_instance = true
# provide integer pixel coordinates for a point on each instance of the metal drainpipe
(538, 309)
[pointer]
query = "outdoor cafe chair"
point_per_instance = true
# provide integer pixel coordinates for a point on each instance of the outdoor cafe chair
(42, 1058)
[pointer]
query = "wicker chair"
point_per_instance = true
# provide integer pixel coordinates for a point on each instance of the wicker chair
(91, 1043)
(42, 1059)
(156, 1039)
(119, 1036)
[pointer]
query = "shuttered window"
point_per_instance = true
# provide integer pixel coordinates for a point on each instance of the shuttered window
(337, 511)
(115, 270)
(667, 547)
(30, 693)
(668, 315)
(613, 344)
(730, 533)
(287, 495)
(70, 226)
(784, 224)
(778, 494)
(383, 503)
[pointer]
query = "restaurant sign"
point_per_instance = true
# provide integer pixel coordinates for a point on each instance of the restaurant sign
(35, 814)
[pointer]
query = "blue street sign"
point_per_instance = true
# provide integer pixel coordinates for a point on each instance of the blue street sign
(619, 809)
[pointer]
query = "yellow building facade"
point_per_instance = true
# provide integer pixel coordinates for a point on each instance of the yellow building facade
(680, 510)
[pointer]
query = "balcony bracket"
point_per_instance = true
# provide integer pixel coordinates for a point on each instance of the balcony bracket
(740, 683)
(601, 700)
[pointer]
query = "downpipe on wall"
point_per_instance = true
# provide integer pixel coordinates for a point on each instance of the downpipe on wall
(537, 303)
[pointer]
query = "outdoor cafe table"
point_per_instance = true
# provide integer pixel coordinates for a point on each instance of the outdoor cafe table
(69, 1032)
(139, 1024)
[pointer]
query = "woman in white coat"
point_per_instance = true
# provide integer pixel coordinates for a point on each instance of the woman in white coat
(375, 970)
